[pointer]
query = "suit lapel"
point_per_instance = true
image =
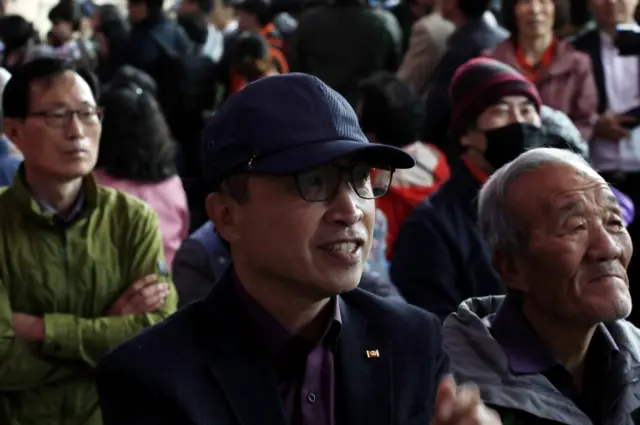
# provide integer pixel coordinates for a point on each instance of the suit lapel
(245, 375)
(364, 384)
(250, 388)
(598, 70)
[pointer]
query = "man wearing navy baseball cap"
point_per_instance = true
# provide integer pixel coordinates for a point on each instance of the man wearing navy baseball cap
(286, 337)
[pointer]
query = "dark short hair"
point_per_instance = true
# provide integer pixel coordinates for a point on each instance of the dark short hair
(16, 97)
(473, 8)
(390, 109)
(136, 143)
(195, 25)
(66, 11)
(262, 9)
(128, 76)
(16, 32)
(250, 52)
(508, 12)
(205, 6)
(151, 4)
(110, 13)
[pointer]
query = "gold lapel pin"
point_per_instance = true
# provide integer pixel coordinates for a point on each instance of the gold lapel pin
(373, 354)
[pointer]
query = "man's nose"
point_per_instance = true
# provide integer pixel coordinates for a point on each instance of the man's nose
(604, 245)
(346, 206)
(74, 127)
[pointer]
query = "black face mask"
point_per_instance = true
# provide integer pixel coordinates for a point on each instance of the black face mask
(506, 143)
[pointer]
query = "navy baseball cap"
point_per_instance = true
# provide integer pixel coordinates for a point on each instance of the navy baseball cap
(286, 124)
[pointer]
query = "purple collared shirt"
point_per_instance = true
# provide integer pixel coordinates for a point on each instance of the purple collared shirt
(525, 350)
(528, 354)
(305, 368)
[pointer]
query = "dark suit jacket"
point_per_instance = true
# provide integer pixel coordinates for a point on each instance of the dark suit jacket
(453, 262)
(202, 366)
(589, 42)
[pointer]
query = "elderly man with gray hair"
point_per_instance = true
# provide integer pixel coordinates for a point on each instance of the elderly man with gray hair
(557, 348)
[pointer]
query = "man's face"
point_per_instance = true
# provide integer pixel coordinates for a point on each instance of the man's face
(573, 267)
(613, 12)
(137, 11)
(510, 109)
(305, 247)
(62, 32)
(55, 143)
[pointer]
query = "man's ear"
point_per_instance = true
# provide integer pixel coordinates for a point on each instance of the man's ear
(226, 215)
(13, 130)
(509, 266)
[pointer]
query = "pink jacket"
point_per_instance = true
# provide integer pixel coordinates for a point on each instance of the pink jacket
(169, 200)
(566, 84)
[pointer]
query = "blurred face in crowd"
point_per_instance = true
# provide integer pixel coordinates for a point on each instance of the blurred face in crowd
(59, 137)
(610, 13)
(61, 32)
(572, 267)
(535, 18)
(247, 21)
(222, 14)
(187, 6)
(137, 10)
(103, 44)
(510, 109)
(310, 249)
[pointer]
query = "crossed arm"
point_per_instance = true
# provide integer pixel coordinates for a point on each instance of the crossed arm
(40, 350)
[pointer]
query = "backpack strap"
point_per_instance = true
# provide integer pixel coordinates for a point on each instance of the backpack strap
(164, 46)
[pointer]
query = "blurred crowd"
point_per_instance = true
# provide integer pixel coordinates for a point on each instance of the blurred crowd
(491, 152)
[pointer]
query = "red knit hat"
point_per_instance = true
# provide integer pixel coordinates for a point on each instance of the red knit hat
(480, 83)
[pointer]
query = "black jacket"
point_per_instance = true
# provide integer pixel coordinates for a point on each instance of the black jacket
(203, 366)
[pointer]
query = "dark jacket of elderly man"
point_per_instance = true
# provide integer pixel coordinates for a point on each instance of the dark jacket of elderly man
(453, 262)
(557, 349)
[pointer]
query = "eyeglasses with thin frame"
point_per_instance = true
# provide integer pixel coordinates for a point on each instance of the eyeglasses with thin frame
(322, 183)
(61, 117)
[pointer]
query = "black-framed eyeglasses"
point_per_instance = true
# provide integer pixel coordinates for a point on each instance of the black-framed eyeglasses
(61, 117)
(322, 183)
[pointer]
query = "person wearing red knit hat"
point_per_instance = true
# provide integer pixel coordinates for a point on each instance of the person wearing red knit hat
(439, 259)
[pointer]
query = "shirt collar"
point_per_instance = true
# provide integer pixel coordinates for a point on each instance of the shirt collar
(75, 212)
(526, 352)
(275, 335)
(87, 201)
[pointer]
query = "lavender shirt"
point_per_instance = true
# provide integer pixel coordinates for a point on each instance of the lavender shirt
(305, 369)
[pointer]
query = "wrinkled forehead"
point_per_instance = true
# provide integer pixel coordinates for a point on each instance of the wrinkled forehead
(554, 188)
(68, 89)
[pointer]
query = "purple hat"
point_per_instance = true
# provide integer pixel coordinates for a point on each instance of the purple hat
(286, 124)
(626, 204)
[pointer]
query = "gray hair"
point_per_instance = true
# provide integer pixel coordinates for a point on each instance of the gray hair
(498, 226)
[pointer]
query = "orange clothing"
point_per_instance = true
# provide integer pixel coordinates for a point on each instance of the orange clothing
(412, 186)
(531, 71)
(478, 173)
(270, 33)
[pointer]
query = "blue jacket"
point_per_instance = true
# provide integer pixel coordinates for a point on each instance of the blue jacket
(8, 163)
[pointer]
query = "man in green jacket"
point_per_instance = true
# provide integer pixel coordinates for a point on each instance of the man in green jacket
(81, 266)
